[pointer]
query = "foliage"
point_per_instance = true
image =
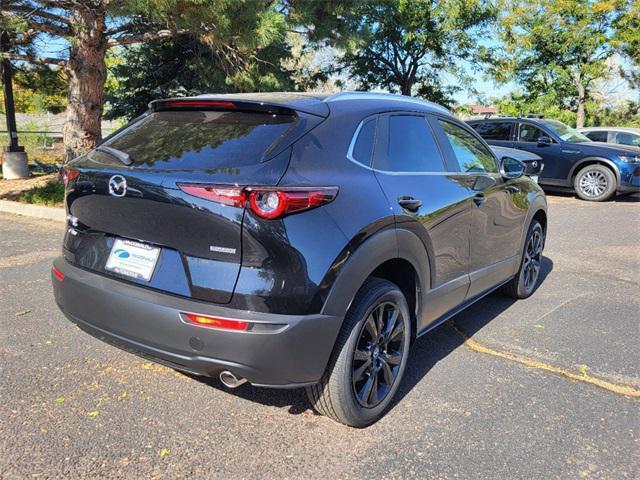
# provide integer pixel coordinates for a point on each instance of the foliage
(405, 45)
(185, 65)
(557, 48)
(627, 40)
(624, 114)
(51, 194)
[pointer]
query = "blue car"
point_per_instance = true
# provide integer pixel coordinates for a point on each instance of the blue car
(595, 171)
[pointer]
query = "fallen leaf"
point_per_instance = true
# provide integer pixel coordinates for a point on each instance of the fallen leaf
(59, 399)
(93, 414)
(537, 325)
(584, 369)
(164, 452)
(23, 312)
(147, 366)
(49, 342)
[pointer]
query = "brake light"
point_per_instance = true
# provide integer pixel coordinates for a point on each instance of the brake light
(57, 273)
(267, 203)
(214, 322)
(69, 175)
(199, 104)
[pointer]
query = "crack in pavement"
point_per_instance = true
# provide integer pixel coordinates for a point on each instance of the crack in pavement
(478, 347)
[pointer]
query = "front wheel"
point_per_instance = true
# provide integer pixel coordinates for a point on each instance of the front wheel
(369, 357)
(595, 183)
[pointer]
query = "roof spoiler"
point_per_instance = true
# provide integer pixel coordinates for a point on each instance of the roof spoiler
(237, 105)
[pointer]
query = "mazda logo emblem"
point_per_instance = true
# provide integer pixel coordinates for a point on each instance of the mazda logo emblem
(118, 186)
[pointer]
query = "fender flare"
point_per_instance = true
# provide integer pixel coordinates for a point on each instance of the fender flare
(576, 167)
(386, 245)
(539, 203)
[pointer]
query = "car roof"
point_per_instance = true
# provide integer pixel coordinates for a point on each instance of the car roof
(609, 129)
(319, 103)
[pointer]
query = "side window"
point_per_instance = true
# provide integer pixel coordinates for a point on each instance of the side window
(363, 148)
(625, 138)
(471, 154)
(494, 130)
(529, 133)
(409, 146)
(597, 136)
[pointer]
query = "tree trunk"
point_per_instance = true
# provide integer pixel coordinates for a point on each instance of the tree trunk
(87, 72)
(580, 114)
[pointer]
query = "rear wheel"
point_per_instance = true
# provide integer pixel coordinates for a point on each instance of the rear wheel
(595, 183)
(369, 357)
(526, 280)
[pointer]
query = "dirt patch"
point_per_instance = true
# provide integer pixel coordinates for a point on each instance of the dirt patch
(14, 189)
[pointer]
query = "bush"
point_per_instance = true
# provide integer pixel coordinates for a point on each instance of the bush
(51, 194)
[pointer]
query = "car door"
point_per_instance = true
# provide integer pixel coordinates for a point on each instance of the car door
(428, 200)
(528, 138)
(499, 207)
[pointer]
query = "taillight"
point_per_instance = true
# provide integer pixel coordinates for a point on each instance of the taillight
(224, 194)
(214, 322)
(199, 104)
(267, 203)
(69, 174)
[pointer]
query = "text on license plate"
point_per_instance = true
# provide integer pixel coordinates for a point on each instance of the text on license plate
(133, 259)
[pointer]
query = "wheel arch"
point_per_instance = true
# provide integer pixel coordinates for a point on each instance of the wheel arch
(585, 162)
(396, 255)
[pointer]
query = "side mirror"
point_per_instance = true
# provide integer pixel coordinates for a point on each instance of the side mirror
(544, 140)
(510, 168)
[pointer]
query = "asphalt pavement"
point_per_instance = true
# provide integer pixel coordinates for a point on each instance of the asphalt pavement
(524, 398)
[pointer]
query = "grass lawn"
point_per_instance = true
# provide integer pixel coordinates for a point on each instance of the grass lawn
(51, 195)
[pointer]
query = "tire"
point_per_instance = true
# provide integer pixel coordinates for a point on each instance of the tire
(338, 395)
(595, 183)
(528, 276)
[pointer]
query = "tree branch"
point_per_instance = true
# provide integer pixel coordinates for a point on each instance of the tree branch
(29, 11)
(34, 59)
(145, 37)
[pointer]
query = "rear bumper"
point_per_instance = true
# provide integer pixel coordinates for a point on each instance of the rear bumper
(148, 323)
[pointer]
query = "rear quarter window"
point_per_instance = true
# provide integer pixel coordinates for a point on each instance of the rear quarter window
(201, 139)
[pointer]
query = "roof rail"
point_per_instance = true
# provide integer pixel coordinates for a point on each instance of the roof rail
(535, 115)
(386, 96)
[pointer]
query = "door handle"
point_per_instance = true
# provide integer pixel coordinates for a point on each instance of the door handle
(478, 199)
(409, 203)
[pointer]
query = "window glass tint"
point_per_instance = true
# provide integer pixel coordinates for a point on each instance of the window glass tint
(599, 136)
(626, 138)
(565, 132)
(471, 154)
(364, 143)
(494, 130)
(410, 146)
(200, 139)
(529, 133)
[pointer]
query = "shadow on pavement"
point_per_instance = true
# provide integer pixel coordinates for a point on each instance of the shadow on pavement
(427, 351)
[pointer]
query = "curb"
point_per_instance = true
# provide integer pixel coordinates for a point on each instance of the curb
(30, 210)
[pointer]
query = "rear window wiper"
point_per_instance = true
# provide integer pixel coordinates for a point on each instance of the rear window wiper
(124, 157)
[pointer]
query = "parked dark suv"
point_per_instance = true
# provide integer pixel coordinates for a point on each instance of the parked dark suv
(594, 170)
(293, 240)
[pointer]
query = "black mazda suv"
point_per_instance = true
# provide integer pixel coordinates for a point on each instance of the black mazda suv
(293, 240)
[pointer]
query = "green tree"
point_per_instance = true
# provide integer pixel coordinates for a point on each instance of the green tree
(557, 48)
(627, 40)
(237, 30)
(184, 65)
(405, 45)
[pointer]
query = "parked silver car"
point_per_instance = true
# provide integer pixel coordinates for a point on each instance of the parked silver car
(619, 135)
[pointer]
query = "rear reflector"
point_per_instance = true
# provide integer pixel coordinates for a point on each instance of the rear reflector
(267, 203)
(213, 322)
(57, 273)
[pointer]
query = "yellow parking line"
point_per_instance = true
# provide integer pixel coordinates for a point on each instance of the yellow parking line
(583, 377)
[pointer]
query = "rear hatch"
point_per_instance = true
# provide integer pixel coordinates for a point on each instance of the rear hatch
(131, 209)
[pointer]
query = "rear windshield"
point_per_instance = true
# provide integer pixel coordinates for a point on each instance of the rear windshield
(199, 139)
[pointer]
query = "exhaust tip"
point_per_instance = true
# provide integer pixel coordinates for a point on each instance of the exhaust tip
(229, 380)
